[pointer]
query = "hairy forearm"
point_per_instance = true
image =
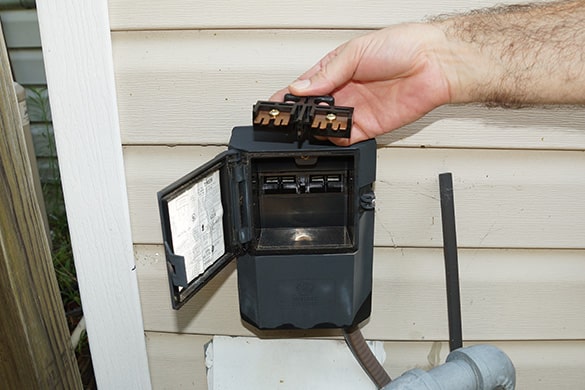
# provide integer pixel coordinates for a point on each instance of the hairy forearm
(516, 55)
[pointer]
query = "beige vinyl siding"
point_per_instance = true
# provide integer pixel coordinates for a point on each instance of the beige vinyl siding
(187, 72)
(192, 87)
(185, 14)
(522, 297)
(560, 368)
(504, 198)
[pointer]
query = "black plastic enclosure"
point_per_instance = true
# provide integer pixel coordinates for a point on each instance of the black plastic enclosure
(300, 219)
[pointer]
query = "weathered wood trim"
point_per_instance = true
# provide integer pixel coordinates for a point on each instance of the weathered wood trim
(35, 350)
(78, 57)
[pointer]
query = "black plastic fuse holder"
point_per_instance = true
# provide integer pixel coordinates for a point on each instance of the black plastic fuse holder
(304, 117)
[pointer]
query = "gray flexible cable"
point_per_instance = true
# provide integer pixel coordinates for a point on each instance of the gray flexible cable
(363, 354)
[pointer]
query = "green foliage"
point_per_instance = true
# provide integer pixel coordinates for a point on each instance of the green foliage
(63, 256)
(38, 105)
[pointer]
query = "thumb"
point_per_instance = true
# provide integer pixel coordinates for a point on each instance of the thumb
(333, 71)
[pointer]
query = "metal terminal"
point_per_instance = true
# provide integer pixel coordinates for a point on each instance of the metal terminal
(279, 118)
(331, 117)
(334, 122)
(334, 183)
(289, 184)
(317, 183)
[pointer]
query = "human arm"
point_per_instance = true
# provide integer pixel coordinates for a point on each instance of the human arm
(511, 56)
(519, 55)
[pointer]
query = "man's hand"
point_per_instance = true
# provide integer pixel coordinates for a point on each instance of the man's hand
(531, 54)
(391, 77)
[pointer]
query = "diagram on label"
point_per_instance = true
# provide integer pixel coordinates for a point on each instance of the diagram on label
(196, 217)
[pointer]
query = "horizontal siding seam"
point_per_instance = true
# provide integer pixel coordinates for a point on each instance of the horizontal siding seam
(545, 340)
(381, 147)
(247, 28)
(389, 340)
(136, 244)
(467, 248)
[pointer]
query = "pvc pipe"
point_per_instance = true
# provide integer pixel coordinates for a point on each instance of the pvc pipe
(480, 367)
(76, 335)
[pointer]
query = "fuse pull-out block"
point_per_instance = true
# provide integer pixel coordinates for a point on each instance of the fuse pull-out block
(306, 117)
(332, 122)
(273, 115)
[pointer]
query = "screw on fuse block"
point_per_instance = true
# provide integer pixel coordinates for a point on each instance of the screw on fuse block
(330, 121)
(267, 116)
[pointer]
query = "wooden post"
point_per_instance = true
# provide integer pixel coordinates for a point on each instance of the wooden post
(35, 348)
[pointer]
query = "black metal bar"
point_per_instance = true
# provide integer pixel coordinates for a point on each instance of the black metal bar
(451, 262)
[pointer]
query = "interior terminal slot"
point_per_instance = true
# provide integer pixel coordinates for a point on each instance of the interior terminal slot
(303, 206)
(303, 183)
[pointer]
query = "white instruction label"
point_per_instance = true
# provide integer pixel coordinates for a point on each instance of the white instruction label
(197, 225)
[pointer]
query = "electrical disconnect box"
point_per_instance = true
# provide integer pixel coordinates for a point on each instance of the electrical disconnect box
(297, 213)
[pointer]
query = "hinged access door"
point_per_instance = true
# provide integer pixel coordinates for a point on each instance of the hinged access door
(202, 224)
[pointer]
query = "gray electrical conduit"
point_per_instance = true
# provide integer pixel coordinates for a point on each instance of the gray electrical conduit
(480, 367)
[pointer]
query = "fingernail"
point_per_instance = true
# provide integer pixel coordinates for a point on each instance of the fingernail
(301, 84)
